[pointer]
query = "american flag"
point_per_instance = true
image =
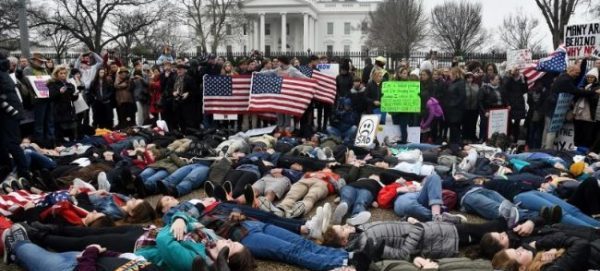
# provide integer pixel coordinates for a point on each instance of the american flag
(16, 200)
(226, 94)
(275, 94)
(326, 84)
(555, 62)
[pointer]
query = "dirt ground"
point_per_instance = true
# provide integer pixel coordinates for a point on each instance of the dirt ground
(377, 215)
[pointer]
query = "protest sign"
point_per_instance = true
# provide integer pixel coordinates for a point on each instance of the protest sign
(367, 128)
(582, 39)
(563, 105)
(401, 96)
(329, 69)
(260, 131)
(518, 58)
(414, 135)
(565, 137)
(497, 121)
(38, 83)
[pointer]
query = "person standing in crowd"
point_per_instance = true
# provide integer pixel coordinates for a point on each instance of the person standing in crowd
(155, 91)
(380, 66)
(100, 97)
(564, 83)
(535, 115)
(586, 109)
(428, 63)
(455, 97)
(344, 82)
(431, 113)
(62, 94)
(490, 71)
(81, 106)
(49, 65)
(11, 113)
(167, 82)
(366, 72)
(515, 87)
(124, 98)
(139, 83)
(306, 121)
(438, 132)
(88, 69)
(43, 126)
(469, 124)
(490, 97)
(373, 95)
(404, 120)
(228, 69)
(358, 97)
(165, 56)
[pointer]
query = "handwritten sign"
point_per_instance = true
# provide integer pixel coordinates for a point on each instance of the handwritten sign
(498, 121)
(582, 39)
(563, 105)
(329, 69)
(565, 137)
(401, 96)
(38, 83)
(367, 128)
(518, 58)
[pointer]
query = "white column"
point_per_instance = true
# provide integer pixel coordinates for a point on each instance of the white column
(310, 36)
(314, 35)
(262, 33)
(306, 30)
(283, 32)
(255, 30)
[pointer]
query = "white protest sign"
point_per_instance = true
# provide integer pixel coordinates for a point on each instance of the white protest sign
(518, 58)
(329, 69)
(414, 135)
(367, 128)
(38, 83)
(497, 121)
(260, 131)
(565, 137)
(582, 39)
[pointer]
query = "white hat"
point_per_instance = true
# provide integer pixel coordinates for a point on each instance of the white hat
(380, 59)
(416, 72)
(593, 72)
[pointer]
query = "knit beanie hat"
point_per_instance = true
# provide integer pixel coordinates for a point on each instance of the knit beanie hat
(339, 153)
(577, 168)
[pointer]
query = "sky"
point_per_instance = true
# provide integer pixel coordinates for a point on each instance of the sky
(494, 12)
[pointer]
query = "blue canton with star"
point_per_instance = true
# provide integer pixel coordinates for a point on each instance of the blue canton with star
(266, 84)
(306, 70)
(555, 63)
(218, 86)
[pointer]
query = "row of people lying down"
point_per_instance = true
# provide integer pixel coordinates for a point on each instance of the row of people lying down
(195, 232)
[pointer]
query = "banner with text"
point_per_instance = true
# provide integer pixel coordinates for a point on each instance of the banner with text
(565, 137)
(519, 59)
(497, 121)
(329, 69)
(401, 97)
(563, 105)
(367, 128)
(582, 39)
(38, 83)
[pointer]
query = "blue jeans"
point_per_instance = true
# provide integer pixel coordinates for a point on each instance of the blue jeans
(358, 199)
(486, 203)
(417, 204)
(535, 200)
(34, 258)
(187, 178)
(270, 242)
(38, 160)
(124, 144)
(382, 119)
(43, 123)
(151, 176)
(347, 136)
(289, 224)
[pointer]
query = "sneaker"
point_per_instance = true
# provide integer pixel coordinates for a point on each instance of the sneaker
(314, 225)
(545, 214)
(220, 194)
(135, 144)
(142, 143)
(228, 187)
(9, 241)
(326, 217)
(556, 214)
(140, 187)
(339, 213)
(209, 189)
(505, 208)
(297, 210)
(14, 185)
(454, 218)
(103, 183)
(80, 184)
(171, 190)
(249, 195)
(23, 183)
(264, 204)
(19, 232)
(6, 188)
(359, 219)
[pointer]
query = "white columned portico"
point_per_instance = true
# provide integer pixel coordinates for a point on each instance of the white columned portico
(283, 32)
(310, 36)
(306, 31)
(255, 30)
(262, 32)
(313, 46)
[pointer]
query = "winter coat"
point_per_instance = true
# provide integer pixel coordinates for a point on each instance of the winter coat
(472, 97)
(455, 98)
(447, 264)
(564, 83)
(366, 74)
(101, 92)
(10, 104)
(575, 257)
(171, 163)
(373, 93)
(344, 120)
(344, 84)
(123, 92)
(63, 102)
(404, 240)
(513, 95)
(490, 97)
(358, 98)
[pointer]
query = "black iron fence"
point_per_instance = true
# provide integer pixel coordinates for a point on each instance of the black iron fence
(357, 58)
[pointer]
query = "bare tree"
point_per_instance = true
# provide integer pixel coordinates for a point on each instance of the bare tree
(9, 23)
(458, 27)
(153, 38)
(557, 14)
(397, 26)
(92, 22)
(209, 19)
(57, 38)
(519, 31)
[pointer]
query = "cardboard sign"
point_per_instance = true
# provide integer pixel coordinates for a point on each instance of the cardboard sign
(582, 39)
(39, 85)
(565, 138)
(367, 128)
(498, 121)
(401, 96)
(329, 69)
(563, 105)
(518, 58)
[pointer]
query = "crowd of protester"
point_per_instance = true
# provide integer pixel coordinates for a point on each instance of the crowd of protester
(75, 186)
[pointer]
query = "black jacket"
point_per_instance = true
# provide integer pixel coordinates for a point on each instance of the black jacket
(101, 93)
(344, 82)
(63, 102)
(513, 95)
(575, 257)
(10, 105)
(455, 97)
(490, 98)
(563, 83)
(373, 93)
(366, 74)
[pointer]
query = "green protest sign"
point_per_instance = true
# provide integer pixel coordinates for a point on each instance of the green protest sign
(401, 96)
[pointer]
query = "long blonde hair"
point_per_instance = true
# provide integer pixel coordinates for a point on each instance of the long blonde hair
(58, 69)
(503, 262)
(537, 263)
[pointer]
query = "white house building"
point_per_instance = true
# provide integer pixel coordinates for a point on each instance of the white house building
(300, 25)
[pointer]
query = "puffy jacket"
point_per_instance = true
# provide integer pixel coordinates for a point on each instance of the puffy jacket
(490, 97)
(447, 264)
(455, 98)
(63, 102)
(404, 240)
(171, 163)
(513, 95)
